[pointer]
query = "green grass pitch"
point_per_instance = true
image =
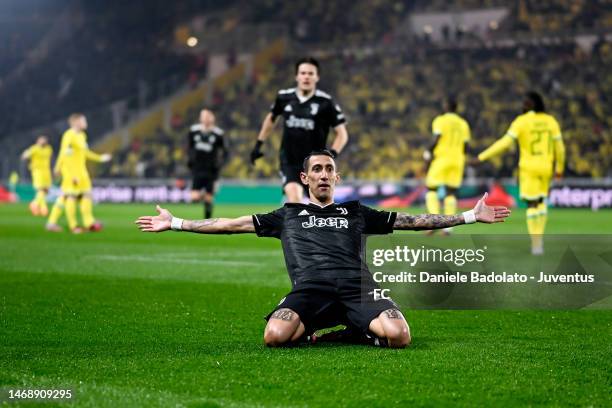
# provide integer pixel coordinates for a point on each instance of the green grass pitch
(134, 319)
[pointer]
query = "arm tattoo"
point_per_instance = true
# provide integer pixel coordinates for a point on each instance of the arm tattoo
(205, 223)
(426, 221)
(201, 225)
(282, 314)
(393, 314)
(220, 225)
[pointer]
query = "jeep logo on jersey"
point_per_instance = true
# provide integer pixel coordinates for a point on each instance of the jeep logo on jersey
(314, 108)
(203, 146)
(211, 138)
(336, 222)
(294, 122)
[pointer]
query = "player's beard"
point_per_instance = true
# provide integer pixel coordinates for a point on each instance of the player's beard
(322, 195)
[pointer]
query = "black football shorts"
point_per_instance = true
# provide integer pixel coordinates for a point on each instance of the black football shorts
(204, 182)
(290, 174)
(327, 303)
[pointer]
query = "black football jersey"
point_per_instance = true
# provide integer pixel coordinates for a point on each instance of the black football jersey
(306, 124)
(323, 242)
(207, 150)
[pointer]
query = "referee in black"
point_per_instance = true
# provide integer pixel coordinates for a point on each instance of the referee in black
(207, 153)
(322, 245)
(308, 114)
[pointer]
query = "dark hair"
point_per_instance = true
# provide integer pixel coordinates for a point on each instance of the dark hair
(537, 103)
(451, 103)
(323, 152)
(307, 60)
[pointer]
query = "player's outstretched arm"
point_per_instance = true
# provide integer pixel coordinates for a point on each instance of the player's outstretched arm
(481, 213)
(164, 221)
(26, 154)
(100, 158)
(496, 148)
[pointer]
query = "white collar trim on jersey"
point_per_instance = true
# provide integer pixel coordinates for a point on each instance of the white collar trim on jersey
(303, 99)
(321, 206)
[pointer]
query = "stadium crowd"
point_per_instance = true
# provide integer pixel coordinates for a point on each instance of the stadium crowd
(390, 99)
(133, 50)
(389, 95)
(557, 15)
(130, 50)
(534, 15)
(345, 21)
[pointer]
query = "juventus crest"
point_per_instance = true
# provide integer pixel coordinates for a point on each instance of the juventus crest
(314, 108)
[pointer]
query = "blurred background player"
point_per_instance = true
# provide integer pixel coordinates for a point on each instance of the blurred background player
(308, 114)
(446, 158)
(540, 144)
(39, 155)
(76, 183)
(207, 154)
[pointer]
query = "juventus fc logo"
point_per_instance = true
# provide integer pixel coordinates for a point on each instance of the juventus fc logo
(342, 210)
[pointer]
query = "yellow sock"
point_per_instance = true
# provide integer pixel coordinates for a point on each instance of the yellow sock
(450, 205)
(56, 211)
(39, 194)
(543, 211)
(533, 223)
(87, 211)
(431, 200)
(41, 202)
(71, 212)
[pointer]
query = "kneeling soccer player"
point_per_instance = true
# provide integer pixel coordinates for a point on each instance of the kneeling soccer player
(322, 248)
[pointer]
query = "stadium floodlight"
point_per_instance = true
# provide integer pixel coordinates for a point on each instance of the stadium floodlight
(192, 41)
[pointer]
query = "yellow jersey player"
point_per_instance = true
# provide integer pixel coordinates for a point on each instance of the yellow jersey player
(76, 183)
(541, 148)
(447, 155)
(39, 155)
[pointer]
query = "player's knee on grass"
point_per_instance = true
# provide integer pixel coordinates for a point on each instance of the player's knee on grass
(394, 328)
(283, 327)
